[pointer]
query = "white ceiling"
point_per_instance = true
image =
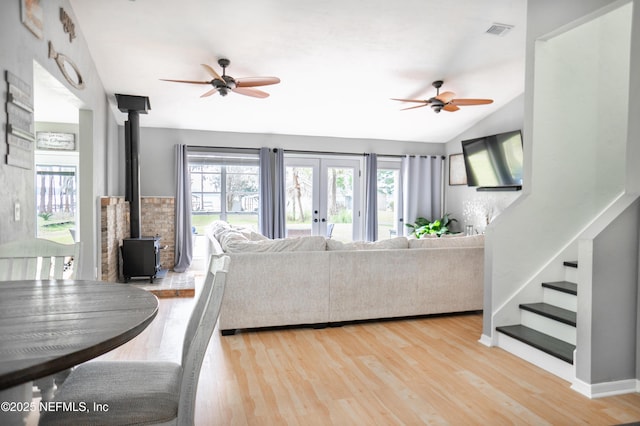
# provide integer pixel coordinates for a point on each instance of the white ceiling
(340, 62)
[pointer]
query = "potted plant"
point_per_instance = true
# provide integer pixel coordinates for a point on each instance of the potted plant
(438, 227)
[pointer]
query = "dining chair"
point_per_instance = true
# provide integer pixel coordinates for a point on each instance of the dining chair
(38, 259)
(145, 392)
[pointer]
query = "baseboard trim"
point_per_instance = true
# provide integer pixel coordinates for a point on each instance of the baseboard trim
(601, 390)
(486, 340)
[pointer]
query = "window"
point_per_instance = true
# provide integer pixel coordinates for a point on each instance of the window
(224, 186)
(56, 195)
(389, 189)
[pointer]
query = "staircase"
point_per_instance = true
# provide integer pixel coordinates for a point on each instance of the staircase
(546, 335)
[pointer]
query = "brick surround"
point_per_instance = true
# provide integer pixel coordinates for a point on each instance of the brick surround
(157, 217)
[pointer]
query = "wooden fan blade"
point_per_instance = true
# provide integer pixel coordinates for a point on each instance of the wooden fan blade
(256, 81)
(446, 97)
(450, 108)
(248, 91)
(212, 72)
(464, 102)
(209, 93)
(411, 100)
(413, 107)
(186, 81)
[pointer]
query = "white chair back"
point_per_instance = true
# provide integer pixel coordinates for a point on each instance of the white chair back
(38, 259)
(198, 334)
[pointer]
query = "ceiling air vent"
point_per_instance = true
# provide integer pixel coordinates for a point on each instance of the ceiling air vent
(499, 29)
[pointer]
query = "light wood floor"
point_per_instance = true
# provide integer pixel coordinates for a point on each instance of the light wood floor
(406, 372)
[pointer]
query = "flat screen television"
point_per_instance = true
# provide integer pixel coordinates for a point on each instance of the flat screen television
(494, 162)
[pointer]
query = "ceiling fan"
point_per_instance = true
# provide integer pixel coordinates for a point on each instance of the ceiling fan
(444, 101)
(222, 84)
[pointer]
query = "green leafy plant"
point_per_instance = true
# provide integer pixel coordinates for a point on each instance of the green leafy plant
(438, 227)
(45, 215)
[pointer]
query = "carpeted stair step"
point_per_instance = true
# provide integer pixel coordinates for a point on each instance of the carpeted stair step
(555, 347)
(549, 311)
(563, 286)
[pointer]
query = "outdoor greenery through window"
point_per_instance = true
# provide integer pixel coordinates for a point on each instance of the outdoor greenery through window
(388, 209)
(224, 186)
(56, 203)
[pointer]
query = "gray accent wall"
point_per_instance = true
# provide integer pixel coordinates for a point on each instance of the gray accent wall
(157, 163)
(19, 48)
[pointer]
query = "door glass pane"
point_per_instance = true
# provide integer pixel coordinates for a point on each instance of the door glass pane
(340, 203)
(224, 187)
(388, 181)
(299, 188)
(56, 202)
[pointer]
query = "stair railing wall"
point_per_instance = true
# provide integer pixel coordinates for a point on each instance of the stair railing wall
(607, 316)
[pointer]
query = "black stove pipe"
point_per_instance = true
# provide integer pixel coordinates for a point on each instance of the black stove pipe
(133, 105)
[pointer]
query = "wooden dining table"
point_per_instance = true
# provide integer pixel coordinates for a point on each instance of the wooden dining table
(50, 326)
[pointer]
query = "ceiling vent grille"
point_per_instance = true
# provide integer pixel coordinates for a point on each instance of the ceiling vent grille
(499, 29)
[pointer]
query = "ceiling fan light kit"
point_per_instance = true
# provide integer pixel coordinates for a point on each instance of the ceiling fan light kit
(443, 101)
(223, 84)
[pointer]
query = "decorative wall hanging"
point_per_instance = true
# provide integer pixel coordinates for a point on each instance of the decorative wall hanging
(67, 25)
(457, 173)
(56, 141)
(19, 107)
(67, 67)
(32, 16)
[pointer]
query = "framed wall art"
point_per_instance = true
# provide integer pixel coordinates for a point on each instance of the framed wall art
(56, 141)
(32, 16)
(457, 173)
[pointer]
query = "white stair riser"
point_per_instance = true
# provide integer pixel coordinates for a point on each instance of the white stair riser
(560, 299)
(555, 366)
(571, 274)
(548, 326)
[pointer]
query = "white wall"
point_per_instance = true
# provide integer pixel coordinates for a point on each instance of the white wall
(460, 200)
(157, 175)
(575, 143)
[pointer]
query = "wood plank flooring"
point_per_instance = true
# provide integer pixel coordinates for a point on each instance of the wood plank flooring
(406, 372)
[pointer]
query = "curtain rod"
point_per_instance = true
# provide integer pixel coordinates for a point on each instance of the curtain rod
(293, 151)
(404, 155)
(220, 148)
(297, 151)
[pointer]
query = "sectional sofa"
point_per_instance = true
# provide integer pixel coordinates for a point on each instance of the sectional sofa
(317, 281)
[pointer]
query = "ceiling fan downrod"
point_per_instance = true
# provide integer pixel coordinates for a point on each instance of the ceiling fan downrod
(437, 104)
(227, 81)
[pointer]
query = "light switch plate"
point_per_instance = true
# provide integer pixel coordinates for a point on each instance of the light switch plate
(16, 211)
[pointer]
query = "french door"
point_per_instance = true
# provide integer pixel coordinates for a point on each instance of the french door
(323, 197)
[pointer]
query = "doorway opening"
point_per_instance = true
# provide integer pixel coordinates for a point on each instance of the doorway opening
(56, 159)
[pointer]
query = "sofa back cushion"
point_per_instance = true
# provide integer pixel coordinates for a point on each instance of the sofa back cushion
(392, 243)
(308, 243)
(464, 241)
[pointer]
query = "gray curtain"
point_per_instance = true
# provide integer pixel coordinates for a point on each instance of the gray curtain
(272, 193)
(184, 235)
(265, 213)
(280, 199)
(422, 188)
(371, 198)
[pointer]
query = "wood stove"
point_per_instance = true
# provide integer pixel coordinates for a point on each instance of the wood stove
(141, 257)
